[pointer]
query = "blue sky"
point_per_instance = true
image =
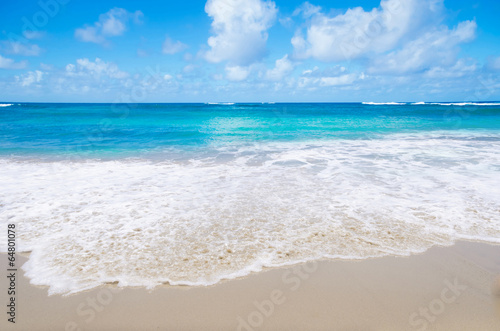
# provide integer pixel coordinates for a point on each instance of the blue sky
(249, 51)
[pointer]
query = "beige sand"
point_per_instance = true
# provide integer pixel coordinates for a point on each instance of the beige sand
(446, 288)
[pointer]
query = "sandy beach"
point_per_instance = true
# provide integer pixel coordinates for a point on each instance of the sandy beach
(445, 288)
(248, 165)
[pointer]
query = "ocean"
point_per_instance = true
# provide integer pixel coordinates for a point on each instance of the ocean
(191, 194)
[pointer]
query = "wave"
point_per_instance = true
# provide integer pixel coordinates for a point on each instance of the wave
(466, 104)
(6, 104)
(195, 222)
(383, 103)
(421, 103)
(221, 103)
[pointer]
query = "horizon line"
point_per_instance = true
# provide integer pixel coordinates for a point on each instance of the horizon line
(252, 102)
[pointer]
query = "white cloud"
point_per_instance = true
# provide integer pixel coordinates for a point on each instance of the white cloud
(240, 28)
(434, 48)
(189, 68)
(282, 68)
(89, 34)
(307, 10)
(142, 53)
(95, 69)
(172, 47)
(28, 34)
(334, 76)
(217, 77)
(237, 73)
(6, 63)
(327, 72)
(336, 81)
(46, 67)
(493, 63)
(460, 69)
(287, 22)
(358, 32)
(188, 57)
(399, 37)
(29, 78)
(110, 24)
(328, 81)
(98, 78)
(20, 48)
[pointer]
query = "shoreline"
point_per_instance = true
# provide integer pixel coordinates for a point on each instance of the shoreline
(25, 255)
(455, 287)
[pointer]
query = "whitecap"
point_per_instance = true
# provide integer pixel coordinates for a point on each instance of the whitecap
(467, 104)
(383, 103)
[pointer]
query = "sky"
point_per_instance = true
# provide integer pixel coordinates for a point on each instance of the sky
(249, 51)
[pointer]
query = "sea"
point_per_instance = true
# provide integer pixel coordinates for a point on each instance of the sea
(192, 194)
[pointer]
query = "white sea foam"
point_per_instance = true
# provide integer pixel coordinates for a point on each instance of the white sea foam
(221, 103)
(466, 104)
(383, 103)
(5, 104)
(140, 222)
(435, 103)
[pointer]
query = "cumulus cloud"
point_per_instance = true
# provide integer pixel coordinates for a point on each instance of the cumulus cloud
(358, 32)
(172, 47)
(95, 69)
(6, 63)
(282, 68)
(434, 48)
(110, 24)
(237, 73)
(240, 30)
(399, 37)
(30, 78)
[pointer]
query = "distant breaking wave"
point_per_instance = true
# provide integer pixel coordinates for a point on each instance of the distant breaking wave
(466, 104)
(5, 104)
(421, 103)
(221, 103)
(383, 103)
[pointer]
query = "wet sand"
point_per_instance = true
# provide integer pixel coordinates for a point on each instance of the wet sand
(445, 288)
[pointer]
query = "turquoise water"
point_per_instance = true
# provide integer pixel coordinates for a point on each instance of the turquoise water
(190, 194)
(150, 130)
